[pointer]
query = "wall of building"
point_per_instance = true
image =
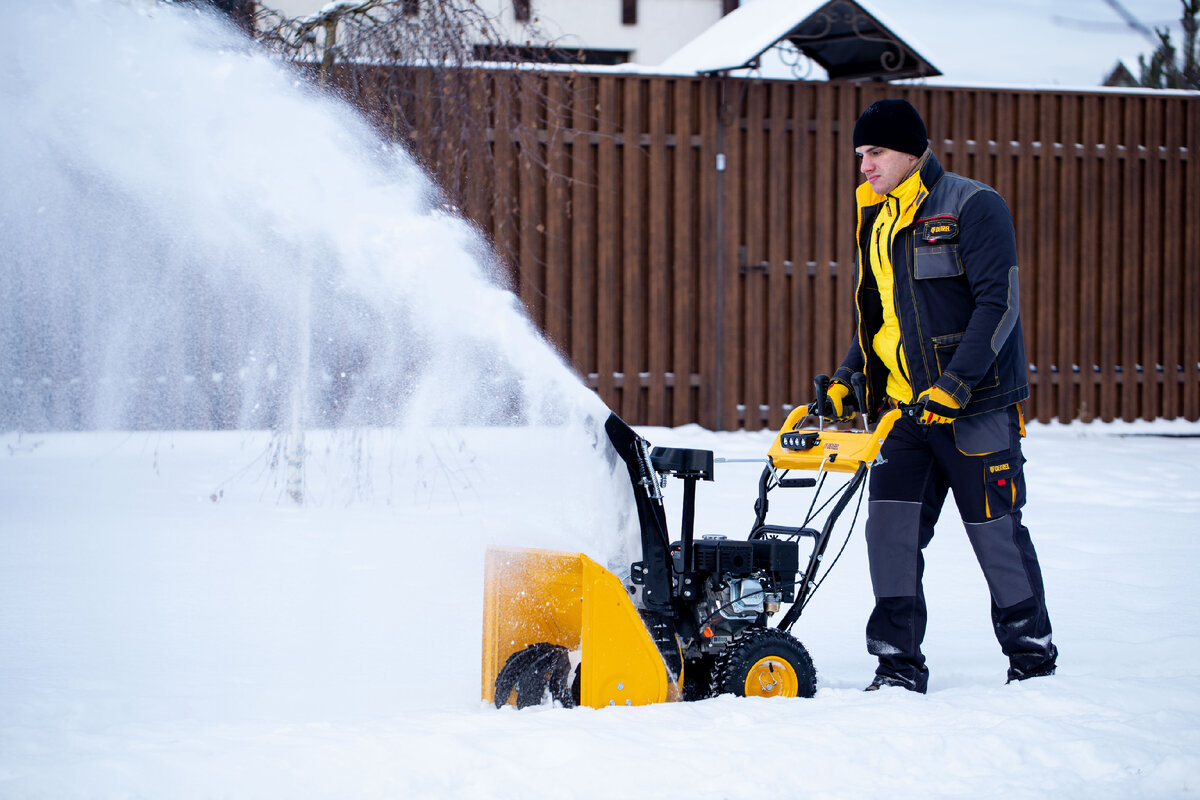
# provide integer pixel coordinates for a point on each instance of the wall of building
(663, 26)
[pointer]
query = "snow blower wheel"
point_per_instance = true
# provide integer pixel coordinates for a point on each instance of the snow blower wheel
(765, 662)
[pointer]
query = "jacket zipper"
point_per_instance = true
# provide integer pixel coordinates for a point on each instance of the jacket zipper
(895, 303)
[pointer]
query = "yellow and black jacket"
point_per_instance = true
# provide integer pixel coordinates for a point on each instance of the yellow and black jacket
(955, 293)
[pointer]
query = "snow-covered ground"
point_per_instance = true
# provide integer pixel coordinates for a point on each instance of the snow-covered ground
(172, 626)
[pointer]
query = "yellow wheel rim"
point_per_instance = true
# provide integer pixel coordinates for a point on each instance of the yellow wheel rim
(772, 677)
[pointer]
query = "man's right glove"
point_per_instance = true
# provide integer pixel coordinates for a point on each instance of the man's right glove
(935, 407)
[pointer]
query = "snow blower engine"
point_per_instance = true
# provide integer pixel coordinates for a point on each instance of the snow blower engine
(691, 619)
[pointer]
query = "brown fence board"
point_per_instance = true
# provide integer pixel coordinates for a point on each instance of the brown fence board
(712, 193)
(752, 264)
(960, 132)
(1110, 265)
(824, 308)
(608, 245)
(840, 274)
(1191, 265)
(777, 218)
(798, 334)
(1174, 138)
(1070, 277)
(633, 249)
(658, 267)
(1130, 264)
(1025, 219)
(1006, 157)
(557, 266)
(685, 273)
(504, 216)
(1089, 251)
(531, 176)
(1152, 311)
(1044, 306)
(731, 344)
(480, 189)
(984, 131)
(583, 180)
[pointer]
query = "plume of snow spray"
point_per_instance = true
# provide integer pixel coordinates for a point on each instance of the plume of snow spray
(190, 227)
(196, 239)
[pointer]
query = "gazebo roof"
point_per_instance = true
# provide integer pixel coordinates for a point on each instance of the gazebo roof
(847, 39)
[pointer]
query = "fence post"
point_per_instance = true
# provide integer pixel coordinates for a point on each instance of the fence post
(713, 335)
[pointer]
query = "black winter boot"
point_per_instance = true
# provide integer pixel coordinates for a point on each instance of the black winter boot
(1046, 667)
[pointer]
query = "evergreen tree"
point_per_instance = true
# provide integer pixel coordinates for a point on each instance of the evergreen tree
(1163, 71)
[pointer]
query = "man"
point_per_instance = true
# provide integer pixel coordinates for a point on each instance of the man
(938, 325)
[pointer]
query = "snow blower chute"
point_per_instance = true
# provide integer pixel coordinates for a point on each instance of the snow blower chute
(692, 618)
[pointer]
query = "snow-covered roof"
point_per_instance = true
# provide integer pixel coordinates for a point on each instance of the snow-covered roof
(845, 37)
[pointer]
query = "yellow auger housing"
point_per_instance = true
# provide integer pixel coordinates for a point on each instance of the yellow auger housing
(567, 599)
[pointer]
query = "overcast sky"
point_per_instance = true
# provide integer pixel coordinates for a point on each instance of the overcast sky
(1028, 42)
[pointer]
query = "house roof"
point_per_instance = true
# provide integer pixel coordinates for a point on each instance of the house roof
(849, 40)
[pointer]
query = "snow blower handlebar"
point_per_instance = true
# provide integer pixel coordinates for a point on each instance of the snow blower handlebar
(821, 403)
(858, 383)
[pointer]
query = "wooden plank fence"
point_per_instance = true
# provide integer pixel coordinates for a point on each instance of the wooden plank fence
(687, 242)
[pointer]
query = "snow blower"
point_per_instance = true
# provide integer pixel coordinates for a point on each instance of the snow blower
(691, 619)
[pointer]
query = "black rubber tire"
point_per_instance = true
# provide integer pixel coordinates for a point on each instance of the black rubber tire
(765, 654)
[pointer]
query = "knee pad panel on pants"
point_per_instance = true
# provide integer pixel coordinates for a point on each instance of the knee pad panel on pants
(1000, 558)
(893, 546)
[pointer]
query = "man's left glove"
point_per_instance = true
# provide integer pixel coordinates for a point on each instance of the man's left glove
(840, 402)
(936, 407)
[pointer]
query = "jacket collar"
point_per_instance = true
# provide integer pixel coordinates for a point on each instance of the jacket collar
(931, 170)
(910, 193)
(928, 168)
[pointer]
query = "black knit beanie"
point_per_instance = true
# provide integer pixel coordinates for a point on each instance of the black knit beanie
(893, 124)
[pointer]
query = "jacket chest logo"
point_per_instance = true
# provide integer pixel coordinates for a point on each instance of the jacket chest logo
(937, 229)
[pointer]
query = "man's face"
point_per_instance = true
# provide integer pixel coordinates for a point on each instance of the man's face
(884, 168)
